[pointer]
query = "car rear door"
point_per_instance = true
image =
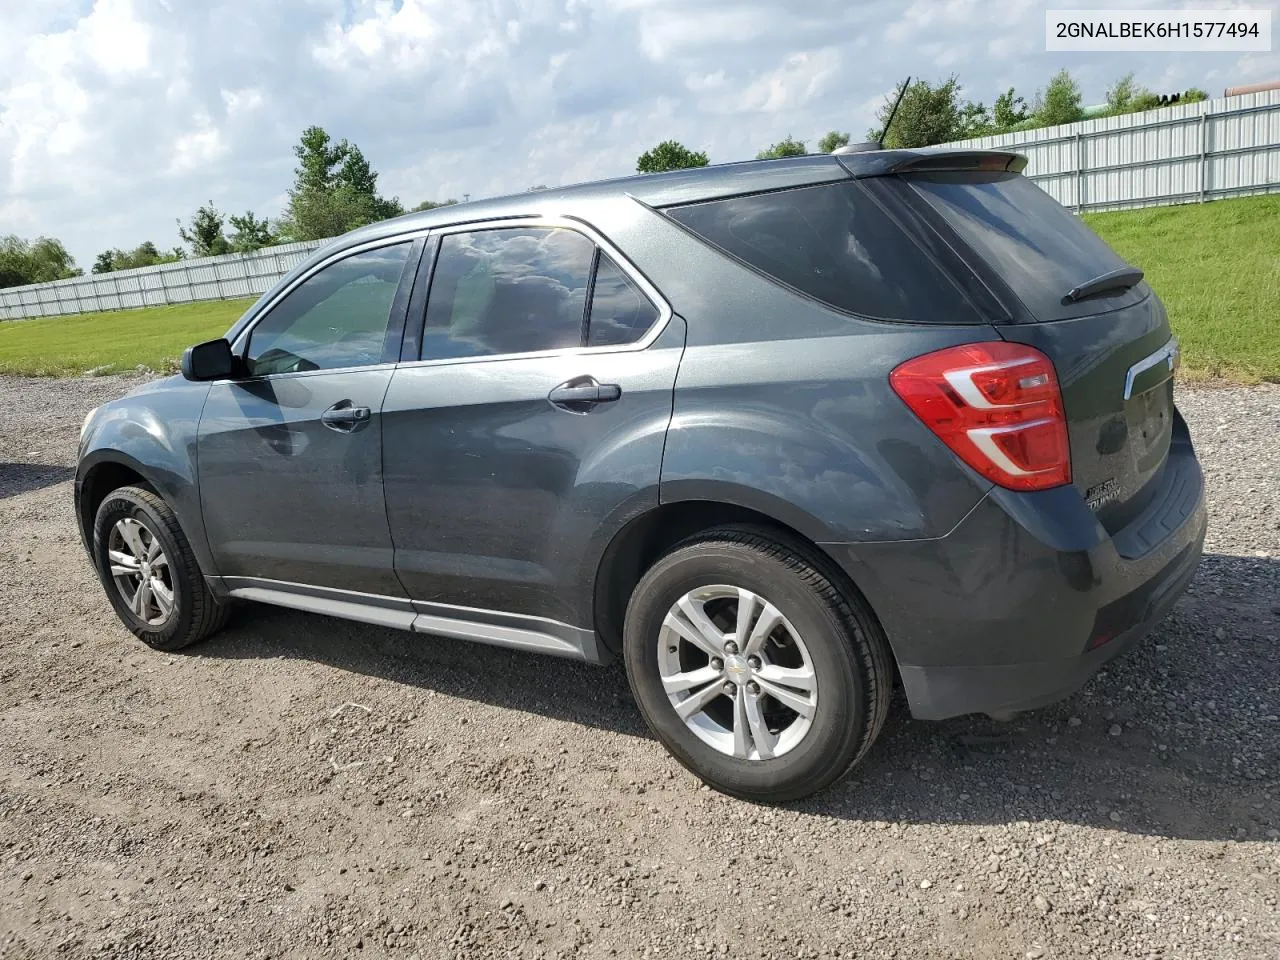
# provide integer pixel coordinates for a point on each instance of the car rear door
(527, 423)
(290, 454)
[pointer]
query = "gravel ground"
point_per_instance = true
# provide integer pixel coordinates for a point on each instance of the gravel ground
(303, 787)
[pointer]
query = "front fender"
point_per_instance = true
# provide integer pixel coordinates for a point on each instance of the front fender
(151, 433)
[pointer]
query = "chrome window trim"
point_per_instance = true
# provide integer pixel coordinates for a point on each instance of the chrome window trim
(1166, 354)
(241, 342)
(647, 289)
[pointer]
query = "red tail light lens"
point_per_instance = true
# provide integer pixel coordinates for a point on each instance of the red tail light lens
(997, 405)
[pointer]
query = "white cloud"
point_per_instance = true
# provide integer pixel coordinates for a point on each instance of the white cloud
(118, 116)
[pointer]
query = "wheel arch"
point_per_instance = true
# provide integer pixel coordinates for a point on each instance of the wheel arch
(107, 469)
(647, 537)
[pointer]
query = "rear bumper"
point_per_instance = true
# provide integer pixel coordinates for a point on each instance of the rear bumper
(1022, 603)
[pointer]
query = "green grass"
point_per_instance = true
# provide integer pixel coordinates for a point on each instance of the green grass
(1216, 266)
(112, 342)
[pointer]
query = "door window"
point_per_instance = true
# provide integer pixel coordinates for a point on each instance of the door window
(516, 290)
(338, 317)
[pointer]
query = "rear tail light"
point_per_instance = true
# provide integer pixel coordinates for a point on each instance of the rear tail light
(998, 407)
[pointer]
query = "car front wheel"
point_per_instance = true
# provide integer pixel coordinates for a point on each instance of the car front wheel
(752, 667)
(150, 574)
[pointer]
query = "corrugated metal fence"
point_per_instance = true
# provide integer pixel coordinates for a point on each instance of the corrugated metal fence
(1192, 152)
(207, 278)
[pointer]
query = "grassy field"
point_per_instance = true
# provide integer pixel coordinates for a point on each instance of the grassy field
(1215, 265)
(112, 342)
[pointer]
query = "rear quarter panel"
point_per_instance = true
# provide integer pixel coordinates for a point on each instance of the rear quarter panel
(783, 405)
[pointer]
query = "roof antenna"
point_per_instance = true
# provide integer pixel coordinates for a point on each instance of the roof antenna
(902, 92)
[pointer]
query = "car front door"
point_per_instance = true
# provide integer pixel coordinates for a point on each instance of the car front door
(533, 423)
(290, 454)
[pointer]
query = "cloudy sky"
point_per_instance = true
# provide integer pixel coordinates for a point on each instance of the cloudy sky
(118, 116)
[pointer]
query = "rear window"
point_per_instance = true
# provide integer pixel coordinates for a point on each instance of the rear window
(834, 243)
(1032, 242)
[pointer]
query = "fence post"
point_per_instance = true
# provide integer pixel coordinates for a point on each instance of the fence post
(1080, 151)
(1204, 154)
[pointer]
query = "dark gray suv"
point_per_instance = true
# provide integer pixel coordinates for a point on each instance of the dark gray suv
(778, 434)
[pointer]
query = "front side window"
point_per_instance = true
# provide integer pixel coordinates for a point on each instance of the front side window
(336, 318)
(507, 290)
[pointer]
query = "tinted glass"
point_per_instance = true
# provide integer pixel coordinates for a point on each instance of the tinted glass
(835, 244)
(620, 313)
(336, 318)
(507, 291)
(1036, 246)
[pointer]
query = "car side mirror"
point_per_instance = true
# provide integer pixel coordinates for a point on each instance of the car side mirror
(211, 360)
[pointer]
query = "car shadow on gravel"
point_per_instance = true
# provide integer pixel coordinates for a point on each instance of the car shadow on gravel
(16, 478)
(1176, 739)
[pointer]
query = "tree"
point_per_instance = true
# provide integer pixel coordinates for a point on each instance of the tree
(432, 204)
(144, 254)
(833, 141)
(334, 190)
(250, 233)
(1008, 111)
(38, 261)
(783, 148)
(928, 115)
(1061, 101)
(1121, 95)
(669, 155)
(205, 235)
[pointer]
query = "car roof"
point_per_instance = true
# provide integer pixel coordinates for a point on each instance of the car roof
(665, 189)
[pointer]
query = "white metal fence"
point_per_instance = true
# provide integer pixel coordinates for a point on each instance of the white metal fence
(1191, 152)
(207, 278)
(1187, 153)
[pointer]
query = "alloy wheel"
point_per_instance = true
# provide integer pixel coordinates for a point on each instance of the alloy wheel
(737, 672)
(141, 571)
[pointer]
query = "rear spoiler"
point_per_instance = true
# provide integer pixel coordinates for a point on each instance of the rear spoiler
(882, 163)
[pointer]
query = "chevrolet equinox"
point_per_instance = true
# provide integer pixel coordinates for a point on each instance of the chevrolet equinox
(779, 435)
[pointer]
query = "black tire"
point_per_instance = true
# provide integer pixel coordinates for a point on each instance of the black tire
(196, 612)
(845, 643)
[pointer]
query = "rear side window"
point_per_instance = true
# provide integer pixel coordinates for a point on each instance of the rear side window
(620, 313)
(506, 291)
(1030, 240)
(834, 243)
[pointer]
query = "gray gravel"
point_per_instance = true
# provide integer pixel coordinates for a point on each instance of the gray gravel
(303, 787)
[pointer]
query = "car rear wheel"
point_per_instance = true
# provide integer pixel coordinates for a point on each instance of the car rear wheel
(145, 562)
(753, 667)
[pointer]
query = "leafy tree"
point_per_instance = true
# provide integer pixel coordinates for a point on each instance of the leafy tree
(250, 233)
(335, 190)
(205, 236)
(1121, 95)
(144, 254)
(783, 148)
(669, 155)
(975, 121)
(38, 261)
(1060, 102)
(834, 140)
(1009, 110)
(1194, 95)
(929, 114)
(432, 204)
